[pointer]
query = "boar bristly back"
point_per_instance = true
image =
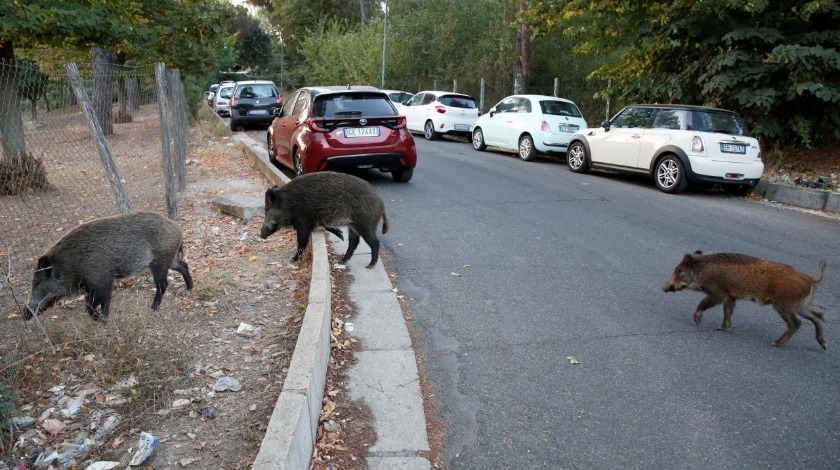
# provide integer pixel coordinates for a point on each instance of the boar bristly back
(93, 255)
(326, 199)
(727, 277)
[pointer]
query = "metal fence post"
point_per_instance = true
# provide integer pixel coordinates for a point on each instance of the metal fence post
(482, 85)
(104, 151)
(168, 164)
(455, 86)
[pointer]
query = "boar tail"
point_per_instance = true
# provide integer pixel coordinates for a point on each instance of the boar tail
(384, 223)
(822, 272)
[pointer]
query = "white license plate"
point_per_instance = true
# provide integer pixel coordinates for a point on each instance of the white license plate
(255, 112)
(350, 132)
(461, 127)
(569, 129)
(733, 148)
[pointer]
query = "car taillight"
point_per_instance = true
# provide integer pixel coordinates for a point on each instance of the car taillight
(544, 127)
(440, 109)
(696, 144)
(279, 101)
(400, 122)
(479, 114)
(223, 102)
(759, 154)
(316, 125)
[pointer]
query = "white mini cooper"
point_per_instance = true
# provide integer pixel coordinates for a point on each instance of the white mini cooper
(675, 144)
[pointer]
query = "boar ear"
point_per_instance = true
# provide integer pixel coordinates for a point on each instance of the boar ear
(45, 264)
(272, 194)
(698, 252)
(690, 260)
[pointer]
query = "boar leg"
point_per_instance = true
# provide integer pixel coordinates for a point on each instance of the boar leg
(705, 304)
(304, 230)
(352, 244)
(792, 322)
(816, 318)
(728, 308)
(159, 272)
(182, 267)
(99, 296)
(336, 232)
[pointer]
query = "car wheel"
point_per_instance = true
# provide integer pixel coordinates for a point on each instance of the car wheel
(235, 126)
(670, 175)
(527, 152)
(403, 175)
(272, 156)
(429, 131)
(577, 158)
(478, 140)
(299, 171)
(738, 189)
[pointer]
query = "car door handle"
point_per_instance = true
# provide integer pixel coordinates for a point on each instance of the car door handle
(637, 136)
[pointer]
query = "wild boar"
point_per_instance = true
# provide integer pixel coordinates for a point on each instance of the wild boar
(727, 277)
(327, 199)
(96, 253)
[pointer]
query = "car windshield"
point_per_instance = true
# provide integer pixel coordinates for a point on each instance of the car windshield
(560, 108)
(457, 101)
(352, 104)
(721, 123)
(256, 91)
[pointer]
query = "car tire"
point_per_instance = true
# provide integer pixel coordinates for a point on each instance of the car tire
(527, 152)
(429, 131)
(235, 126)
(577, 158)
(478, 140)
(269, 145)
(299, 171)
(403, 175)
(669, 175)
(738, 189)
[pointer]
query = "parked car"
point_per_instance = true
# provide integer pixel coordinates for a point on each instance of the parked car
(435, 113)
(674, 144)
(253, 102)
(221, 102)
(210, 94)
(341, 128)
(530, 124)
(398, 96)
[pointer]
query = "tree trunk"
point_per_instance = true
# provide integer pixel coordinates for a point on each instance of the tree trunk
(522, 67)
(11, 122)
(365, 8)
(103, 84)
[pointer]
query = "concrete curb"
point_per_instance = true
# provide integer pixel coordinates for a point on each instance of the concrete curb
(815, 199)
(292, 429)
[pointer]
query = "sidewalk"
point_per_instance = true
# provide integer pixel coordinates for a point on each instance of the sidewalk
(385, 375)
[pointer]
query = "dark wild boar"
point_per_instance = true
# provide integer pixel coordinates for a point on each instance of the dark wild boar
(327, 199)
(727, 277)
(94, 254)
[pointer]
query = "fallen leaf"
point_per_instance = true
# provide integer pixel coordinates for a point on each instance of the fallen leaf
(252, 258)
(572, 360)
(13, 315)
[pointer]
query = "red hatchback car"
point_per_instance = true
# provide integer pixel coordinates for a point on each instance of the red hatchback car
(341, 128)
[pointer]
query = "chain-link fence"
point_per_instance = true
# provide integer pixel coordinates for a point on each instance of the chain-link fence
(79, 143)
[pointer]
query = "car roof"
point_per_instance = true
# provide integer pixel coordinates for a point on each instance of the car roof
(689, 107)
(255, 82)
(540, 97)
(332, 88)
(441, 93)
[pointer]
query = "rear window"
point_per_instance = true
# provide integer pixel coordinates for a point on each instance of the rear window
(256, 91)
(721, 123)
(225, 92)
(352, 104)
(456, 101)
(560, 108)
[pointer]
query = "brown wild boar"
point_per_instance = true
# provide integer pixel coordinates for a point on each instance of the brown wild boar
(327, 199)
(91, 256)
(727, 277)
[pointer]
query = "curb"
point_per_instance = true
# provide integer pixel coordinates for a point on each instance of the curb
(292, 429)
(815, 199)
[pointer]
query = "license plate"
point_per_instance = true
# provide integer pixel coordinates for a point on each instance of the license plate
(569, 129)
(461, 127)
(255, 112)
(351, 132)
(733, 148)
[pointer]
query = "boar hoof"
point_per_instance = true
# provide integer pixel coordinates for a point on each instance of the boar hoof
(370, 266)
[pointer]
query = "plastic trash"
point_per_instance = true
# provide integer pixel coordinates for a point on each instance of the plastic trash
(147, 445)
(102, 465)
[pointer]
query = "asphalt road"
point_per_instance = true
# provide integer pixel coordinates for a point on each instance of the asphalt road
(513, 267)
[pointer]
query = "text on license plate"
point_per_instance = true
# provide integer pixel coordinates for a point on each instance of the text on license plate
(361, 132)
(570, 129)
(254, 112)
(461, 127)
(733, 148)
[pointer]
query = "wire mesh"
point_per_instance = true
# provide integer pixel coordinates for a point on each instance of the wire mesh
(52, 175)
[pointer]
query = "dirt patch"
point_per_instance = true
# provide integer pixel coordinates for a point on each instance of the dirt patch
(817, 168)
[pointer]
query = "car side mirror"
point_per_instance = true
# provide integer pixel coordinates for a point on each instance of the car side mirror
(492, 111)
(606, 125)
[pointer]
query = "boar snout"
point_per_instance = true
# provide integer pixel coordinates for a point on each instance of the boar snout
(267, 230)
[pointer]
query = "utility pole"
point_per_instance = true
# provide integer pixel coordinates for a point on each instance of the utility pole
(384, 42)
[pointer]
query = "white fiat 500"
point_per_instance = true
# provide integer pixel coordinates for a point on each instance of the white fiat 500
(530, 124)
(435, 113)
(675, 145)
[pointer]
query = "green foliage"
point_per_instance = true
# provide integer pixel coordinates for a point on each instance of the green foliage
(777, 63)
